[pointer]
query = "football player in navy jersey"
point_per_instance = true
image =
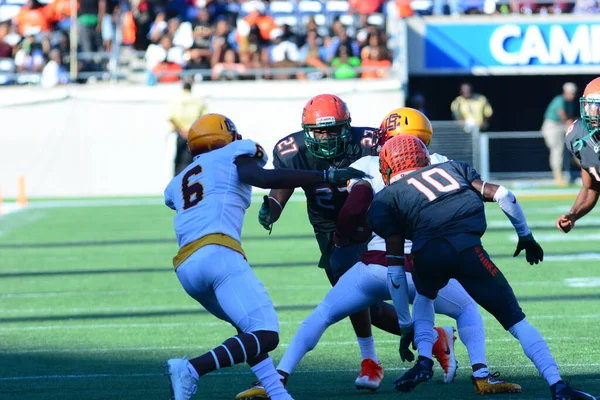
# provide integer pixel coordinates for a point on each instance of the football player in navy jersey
(440, 208)
(327, 140)
(583, 141)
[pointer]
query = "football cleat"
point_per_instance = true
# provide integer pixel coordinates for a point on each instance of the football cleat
(492, 384)
(421, 372)
(370, 376)
(563, 391)
(183, 383)
(443, 351)
(257, 391)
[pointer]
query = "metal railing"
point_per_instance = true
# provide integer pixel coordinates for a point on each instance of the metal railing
(514, 155)
(201, 74)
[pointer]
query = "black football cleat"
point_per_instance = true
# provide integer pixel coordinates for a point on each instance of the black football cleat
(421, 372)
(563, 391)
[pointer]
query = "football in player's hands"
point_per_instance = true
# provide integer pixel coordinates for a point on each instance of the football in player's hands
(565, 223)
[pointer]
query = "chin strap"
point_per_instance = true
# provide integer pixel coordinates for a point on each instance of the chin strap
(580, 143)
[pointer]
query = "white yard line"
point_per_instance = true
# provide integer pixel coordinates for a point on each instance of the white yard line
(129, 292)
(125, 202)
(570, 282)
(188, 348)
(18, 218)
(554, 210)
(155, 325)
(561, 237)
(548, 223)
(311, 371)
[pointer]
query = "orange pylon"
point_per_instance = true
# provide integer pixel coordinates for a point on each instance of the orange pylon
(22, 193)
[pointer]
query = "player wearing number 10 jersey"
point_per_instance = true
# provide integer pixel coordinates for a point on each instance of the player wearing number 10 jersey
(210, 197)
(440, 209)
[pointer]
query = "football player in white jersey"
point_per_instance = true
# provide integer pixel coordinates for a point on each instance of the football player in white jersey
(371, 280)
(210, 197)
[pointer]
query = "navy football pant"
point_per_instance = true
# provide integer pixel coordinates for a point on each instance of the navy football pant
(437, 262)
(336, 262)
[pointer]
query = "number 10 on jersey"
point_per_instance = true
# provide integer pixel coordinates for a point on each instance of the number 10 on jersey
(439, 187)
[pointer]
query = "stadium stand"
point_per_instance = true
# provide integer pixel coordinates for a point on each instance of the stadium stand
(165, 39)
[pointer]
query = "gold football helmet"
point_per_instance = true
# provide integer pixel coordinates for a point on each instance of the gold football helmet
(210, 132)
(404, 121)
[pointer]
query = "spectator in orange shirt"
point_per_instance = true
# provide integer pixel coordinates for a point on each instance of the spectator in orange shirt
(31, 17)
(59, 12)
(167, 71)
(404, 8)
(376, 59)
(265, 24)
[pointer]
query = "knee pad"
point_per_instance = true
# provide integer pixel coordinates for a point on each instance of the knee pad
(268, 340)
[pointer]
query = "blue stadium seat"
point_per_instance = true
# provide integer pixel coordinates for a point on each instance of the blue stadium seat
(283, 12)
(9, 9)
(291, 20)
(279, 7)
(310, 7)
(251, 5)
(422, 7)
(335, 9)
(376, 19)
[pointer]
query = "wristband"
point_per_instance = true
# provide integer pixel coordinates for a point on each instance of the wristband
(278, 203)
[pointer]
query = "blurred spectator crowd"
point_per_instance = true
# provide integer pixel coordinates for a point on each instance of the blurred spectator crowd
(231, 38)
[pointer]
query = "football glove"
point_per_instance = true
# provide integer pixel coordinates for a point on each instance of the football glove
(340, 177)
(407, 336)
(533, 251)
(264, 215)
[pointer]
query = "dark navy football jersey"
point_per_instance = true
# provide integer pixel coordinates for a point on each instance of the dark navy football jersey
(324, 202)
(589, 154)
(435, 201)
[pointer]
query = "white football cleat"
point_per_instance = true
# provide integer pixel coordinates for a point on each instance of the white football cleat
(183, 383)
(443, 351)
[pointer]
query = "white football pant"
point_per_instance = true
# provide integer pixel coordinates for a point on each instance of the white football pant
(222, 281)
(364, 285)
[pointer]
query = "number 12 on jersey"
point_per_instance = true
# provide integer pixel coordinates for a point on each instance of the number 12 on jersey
(439, 187)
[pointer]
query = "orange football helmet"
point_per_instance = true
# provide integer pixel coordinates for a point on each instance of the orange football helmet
(404, 121)
(402, 154)
(210, 132)
(590, 106)
(326, 113)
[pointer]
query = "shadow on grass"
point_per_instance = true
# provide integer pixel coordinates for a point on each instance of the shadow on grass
(249, 238)
(135, 376)
(280, 309)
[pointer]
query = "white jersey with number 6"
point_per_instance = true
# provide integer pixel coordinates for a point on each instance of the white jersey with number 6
(370, 166)
(208, 196)
(210, 202)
